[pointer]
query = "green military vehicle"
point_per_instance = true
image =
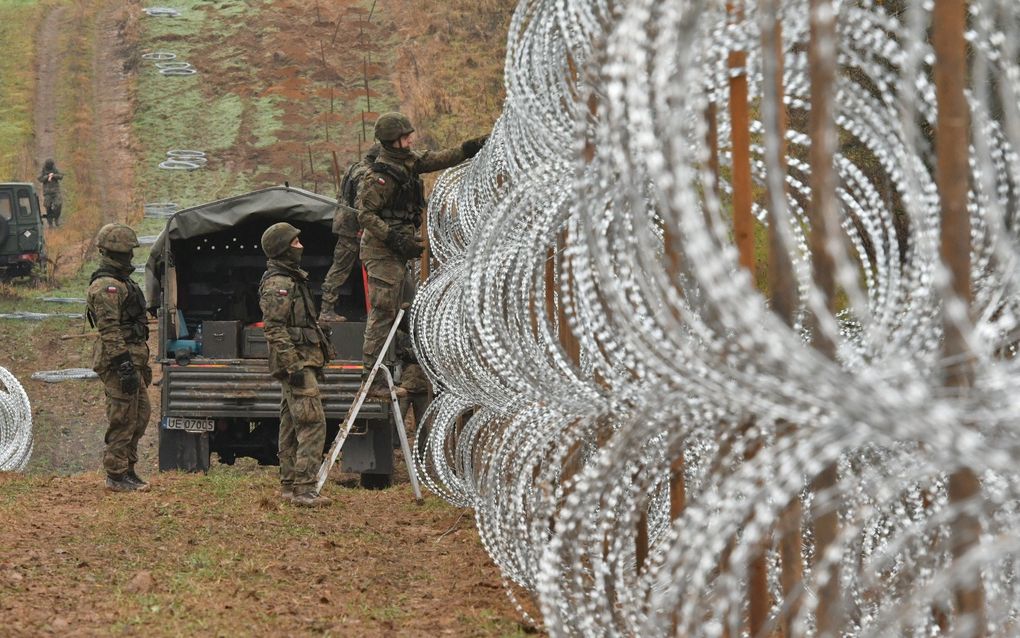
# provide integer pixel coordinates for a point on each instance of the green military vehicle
(22, 246)
(217, 395)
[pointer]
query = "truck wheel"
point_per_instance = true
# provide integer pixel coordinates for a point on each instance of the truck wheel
(376, 481)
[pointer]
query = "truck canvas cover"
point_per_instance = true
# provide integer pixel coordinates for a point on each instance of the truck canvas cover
(277, 203)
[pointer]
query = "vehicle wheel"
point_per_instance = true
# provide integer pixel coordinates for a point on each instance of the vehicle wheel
(227, 458)
(267, 457)
(376, 481)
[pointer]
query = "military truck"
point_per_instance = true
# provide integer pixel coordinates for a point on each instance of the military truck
(22, 245)
(217, 396)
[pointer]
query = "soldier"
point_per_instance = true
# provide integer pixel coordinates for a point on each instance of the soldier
(53, 201)
(116, 307)
(298, 350)
(348, 232)
(390, 201)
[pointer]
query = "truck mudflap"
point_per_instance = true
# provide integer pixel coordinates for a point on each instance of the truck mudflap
(243, 388)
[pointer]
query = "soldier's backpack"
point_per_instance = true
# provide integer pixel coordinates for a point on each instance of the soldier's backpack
(351, 180)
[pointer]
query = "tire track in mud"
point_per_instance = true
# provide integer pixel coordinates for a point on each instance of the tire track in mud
(48, 68)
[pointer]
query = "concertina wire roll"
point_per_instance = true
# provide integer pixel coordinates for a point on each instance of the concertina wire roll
(598, 173)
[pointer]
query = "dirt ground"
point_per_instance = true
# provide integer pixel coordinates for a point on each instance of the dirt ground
(217, 553)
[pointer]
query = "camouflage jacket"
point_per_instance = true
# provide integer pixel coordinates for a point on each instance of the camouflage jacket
(345, 222)
(51, 187)
(288, 312)
(391, 195)
(116, 306)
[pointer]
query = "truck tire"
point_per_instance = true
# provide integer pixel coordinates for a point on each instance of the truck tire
(376, 481)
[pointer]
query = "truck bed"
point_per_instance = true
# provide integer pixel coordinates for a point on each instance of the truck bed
(243, 388)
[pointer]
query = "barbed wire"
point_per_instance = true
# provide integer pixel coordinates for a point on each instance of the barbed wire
(15, 424)
(598, 350)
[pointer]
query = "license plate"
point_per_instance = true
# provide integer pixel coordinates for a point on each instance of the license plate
(190, 424)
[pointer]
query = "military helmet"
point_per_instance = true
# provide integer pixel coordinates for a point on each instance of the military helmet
(277, 238)
(117, 238)
(391, 126)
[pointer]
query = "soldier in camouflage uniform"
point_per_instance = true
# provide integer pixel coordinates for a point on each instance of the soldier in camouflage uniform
(116, 307)
(390, 201)
(298, 350)
(348, 234)
(53, 201)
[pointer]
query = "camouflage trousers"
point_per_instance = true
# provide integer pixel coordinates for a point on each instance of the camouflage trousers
(302, 432)
(386, 283)
(344, 255)
(413, 379)
(128, 414)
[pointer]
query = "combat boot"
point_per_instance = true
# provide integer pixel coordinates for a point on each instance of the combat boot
(311, 499)
(287, 493)
(329, 316)
(140, 485)
(118, 483)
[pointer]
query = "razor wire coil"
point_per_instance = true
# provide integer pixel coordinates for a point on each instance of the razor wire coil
(15, 424)
(159, 55)
(159, 210)
(589, 328)
(161, 12)
(67, 374)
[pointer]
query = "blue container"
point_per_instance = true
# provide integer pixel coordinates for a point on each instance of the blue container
(173, 346)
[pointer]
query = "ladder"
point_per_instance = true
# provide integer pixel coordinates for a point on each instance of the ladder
(352, 413)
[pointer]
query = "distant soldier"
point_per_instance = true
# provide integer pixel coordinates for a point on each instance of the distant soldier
(116, 307)
(390, 202)
(298, 350)
(348, 232)
(53, 201)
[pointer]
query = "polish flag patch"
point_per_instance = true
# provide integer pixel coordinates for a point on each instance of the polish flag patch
(111, 289)
(380, 180)
(283, 293)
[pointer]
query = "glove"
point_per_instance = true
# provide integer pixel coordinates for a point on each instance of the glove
(126, 372)
(297, 379)
(471, 147)
(406, 245)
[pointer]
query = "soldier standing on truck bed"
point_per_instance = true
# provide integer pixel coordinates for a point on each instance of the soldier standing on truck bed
(53, 201)
(348, 234)
(390, 201)
(298, 350)
(116, 307)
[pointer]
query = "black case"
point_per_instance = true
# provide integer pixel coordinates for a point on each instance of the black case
(221, 339)
(254, 345)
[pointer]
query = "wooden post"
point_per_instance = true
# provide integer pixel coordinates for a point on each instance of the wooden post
(743, 235)
(824, 222)
(952, 141)
(740, 139)
(782, 285)
(336, 173)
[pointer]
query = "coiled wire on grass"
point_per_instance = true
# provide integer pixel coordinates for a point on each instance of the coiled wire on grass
(15, 424)
(67, 374)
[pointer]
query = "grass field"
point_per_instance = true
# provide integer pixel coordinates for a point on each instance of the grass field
(18, 19)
